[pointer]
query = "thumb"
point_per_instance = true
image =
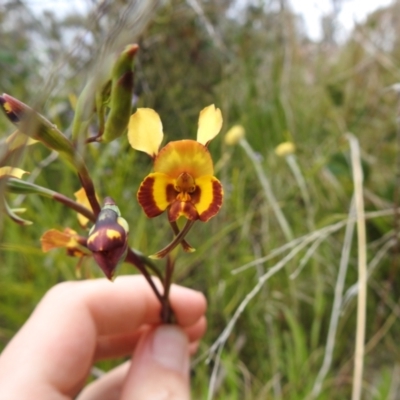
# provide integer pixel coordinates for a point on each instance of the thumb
(160, 366)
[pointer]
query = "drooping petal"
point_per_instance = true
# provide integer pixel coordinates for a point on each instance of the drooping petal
(182, 209)
(184, 156)
(210, 123)
(53, 238)
(207, 197)
(145, 131)
(156, 193)
(68, 239)
(12, 172)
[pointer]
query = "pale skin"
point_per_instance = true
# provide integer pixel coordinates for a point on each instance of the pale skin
(79, 323)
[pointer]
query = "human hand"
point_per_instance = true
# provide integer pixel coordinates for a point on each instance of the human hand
(79, 323)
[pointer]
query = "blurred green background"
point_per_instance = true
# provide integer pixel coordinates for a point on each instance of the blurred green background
(264, 73)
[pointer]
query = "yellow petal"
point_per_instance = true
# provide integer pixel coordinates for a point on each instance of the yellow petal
(82, 199)
(13, 172)
(145, 131)
(156, 193)
(184, 156)
(54, 238)
(210, 123)
(208, 197)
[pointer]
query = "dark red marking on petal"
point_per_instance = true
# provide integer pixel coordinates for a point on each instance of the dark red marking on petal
(218, 195)
(182, 208)
(146, 198)
(171, 193)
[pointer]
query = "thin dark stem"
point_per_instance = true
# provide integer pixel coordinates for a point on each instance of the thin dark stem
(169, 270)
(94, 139)
(88, 186)
(167, 314)
(79, 208)
(133, 259)
(152, 267)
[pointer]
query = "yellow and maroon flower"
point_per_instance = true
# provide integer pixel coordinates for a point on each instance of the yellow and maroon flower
(182, 181)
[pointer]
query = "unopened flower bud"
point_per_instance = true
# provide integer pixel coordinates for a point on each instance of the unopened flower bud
(234, 134)
(121, 95)
(285, 148)
(37, 127)
(108, 238)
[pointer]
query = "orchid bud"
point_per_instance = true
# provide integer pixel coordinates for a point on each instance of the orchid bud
(108, 238)
(37, 127)
(121, 95)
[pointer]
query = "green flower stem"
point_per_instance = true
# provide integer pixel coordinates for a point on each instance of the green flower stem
(84, 109)
(267, 189)
(36, 126)
(178, 239)
(22, 187)
(11, 213)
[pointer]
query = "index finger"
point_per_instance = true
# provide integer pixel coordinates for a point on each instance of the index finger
(53, 353)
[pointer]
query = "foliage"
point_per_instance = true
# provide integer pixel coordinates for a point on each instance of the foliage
(264, 74)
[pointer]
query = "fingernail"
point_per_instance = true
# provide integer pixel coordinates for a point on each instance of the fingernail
(170, 348)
